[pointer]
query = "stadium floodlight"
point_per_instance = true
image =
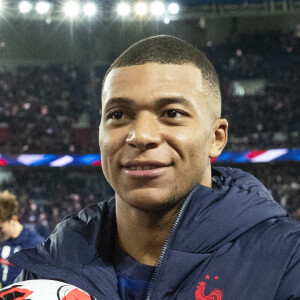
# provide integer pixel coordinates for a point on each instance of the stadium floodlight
(71, 9)
(167, 20)
(25, 7)
(140, 8)
(90, 9)
(123, 9)
(173, 8)
(42, 7)
(157, 8)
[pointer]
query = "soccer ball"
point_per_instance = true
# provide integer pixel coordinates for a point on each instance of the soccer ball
(43, 289)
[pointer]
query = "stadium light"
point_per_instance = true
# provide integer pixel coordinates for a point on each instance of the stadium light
(157, 8)
(173, 8)
(123, 9)
(71, 9)
(90, 9)
(42, 7)
(25, 7)
(140, 8)
(167, 20)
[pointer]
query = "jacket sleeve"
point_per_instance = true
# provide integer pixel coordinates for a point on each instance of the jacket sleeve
(289, 287)
(26, 275)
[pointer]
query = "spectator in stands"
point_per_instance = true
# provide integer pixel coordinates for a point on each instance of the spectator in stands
(14, 237)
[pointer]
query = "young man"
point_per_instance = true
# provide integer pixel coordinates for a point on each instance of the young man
(177, 228)
(14, 237)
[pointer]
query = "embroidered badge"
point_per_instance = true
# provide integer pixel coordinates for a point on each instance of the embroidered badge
(215, 294)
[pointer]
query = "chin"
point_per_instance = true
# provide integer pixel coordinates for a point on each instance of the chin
(149, 200)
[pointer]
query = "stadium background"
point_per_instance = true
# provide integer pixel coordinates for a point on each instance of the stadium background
(52, 65)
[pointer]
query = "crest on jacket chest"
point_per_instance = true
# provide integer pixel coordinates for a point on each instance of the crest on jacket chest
(215, 294)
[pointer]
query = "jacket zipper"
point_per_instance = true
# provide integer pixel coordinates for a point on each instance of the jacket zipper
(166, 244)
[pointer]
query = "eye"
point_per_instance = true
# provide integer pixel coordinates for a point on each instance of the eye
(171, 113)
(174, 113)
(116, 115)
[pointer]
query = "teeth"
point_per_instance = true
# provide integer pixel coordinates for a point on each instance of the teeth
(146, 167)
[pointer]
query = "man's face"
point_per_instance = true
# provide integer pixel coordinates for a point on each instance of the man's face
(155, 134)
(6, 229)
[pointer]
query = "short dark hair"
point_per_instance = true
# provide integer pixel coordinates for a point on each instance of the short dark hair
(9, 206)
(166, 49)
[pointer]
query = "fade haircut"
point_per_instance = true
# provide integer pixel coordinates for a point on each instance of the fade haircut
(9, 206)
(166, 49)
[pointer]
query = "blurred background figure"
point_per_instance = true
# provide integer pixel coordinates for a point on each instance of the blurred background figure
(14, 237)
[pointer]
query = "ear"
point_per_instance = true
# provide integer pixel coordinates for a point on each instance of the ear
(219, 139)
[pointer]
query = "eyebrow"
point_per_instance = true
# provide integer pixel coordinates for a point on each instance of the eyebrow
(159, 103)
(172, 100)
(118, 101)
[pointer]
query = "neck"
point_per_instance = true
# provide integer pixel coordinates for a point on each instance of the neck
(143, 234)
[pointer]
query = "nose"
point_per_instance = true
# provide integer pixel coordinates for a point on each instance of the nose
(144, 133)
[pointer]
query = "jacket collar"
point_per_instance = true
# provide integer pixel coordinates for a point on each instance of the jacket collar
(213, 217)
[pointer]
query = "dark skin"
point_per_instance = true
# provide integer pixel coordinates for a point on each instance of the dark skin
(153, 231)
(157, 135)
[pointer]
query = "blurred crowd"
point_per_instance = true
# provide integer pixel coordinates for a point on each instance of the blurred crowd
(41, 108)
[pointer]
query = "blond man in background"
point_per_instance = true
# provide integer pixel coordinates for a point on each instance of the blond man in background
(13, 237)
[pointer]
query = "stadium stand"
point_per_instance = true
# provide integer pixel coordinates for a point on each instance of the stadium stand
(41, 110)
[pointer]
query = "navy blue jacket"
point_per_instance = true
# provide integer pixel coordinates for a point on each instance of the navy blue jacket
(230, 242)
